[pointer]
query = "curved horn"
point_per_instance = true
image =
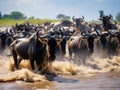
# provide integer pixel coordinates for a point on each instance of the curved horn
(109, 32)
(73, 18)
(61, 33)
(82, 17)
(117, 34)
(40, 36)
(9, 31)
(37, 33)
(97, 33)
(83, 33)
(52, 35)
(110, 16)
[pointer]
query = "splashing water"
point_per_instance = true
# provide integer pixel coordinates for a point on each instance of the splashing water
(94, 65)
(23, 74)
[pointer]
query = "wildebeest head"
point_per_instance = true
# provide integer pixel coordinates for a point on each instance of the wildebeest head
(90, 40)
(65, 34)
(51, 40)
(106, 22)
(78, 20)
(63, 46)
(102, 38)
(52, 45)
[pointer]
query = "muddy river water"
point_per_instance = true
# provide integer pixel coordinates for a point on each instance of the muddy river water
(98, 74)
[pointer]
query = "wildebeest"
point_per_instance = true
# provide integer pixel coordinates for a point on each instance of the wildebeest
(107, 43)
(112, 44)
(80, 26)
(95, 26)
(36, 48)
(107, 25)
(65, 23)
(81, 47)
(3, 37)
(101, 43)
(61, 48)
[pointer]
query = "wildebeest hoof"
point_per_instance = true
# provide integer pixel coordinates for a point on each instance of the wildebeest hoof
(34, 71)
(50, 74)
(38, 72)
(52, 58)
(29, 80)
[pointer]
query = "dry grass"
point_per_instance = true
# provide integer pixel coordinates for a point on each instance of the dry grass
(10, 22)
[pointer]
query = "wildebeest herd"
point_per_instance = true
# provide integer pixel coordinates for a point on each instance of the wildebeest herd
(43, 43)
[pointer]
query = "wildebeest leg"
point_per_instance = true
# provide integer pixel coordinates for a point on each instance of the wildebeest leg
(70, 54)
(84, 60)
(76, 58)
(15, 59)
(84, 57)
(32, 63)
(39, 63)
(3, 44)
(40, 60)
(19, 60)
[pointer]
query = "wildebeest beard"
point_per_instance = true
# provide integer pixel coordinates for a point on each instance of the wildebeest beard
(52, 45)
